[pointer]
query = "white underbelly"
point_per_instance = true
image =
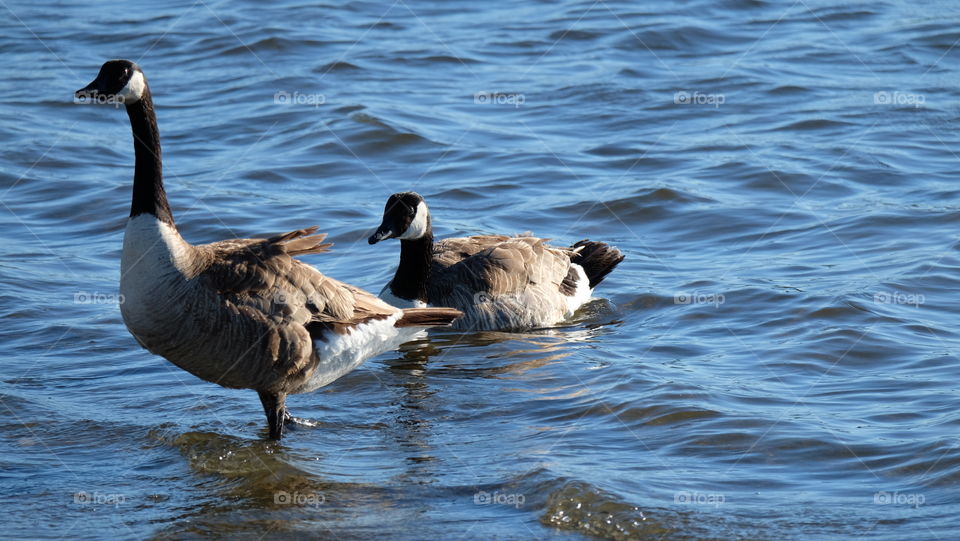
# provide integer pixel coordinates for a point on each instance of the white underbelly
(341, 354)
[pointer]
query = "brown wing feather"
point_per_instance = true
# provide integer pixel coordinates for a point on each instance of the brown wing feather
(505, 265)
(302, 242)
(279, 303)
(448, 252)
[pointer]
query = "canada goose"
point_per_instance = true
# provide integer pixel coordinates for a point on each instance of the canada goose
(499, 282)
(241, 313)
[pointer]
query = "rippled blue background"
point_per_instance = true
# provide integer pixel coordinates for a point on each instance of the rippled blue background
(776, 358)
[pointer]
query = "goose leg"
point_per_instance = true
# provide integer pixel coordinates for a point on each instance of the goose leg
(274, 405)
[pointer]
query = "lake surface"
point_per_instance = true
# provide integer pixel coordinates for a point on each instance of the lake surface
(776, 358)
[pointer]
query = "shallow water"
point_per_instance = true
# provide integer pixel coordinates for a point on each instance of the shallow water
(776, 358)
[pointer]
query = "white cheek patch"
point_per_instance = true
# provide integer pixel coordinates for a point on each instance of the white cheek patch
(133, 90)
(418, 227)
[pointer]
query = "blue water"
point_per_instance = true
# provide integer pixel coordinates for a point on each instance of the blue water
(775, 359)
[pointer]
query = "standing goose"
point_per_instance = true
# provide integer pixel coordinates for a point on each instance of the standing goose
(240, 313)
(499, 282)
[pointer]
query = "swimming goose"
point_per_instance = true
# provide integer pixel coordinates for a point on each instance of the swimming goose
(499, 282)
(240, 313)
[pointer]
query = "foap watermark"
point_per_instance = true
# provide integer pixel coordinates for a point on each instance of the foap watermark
(86, 297)
(682, 97)
(684, 497)
(282, 97)
(296, 298)
(697, 297)
(899, 98)
(914, 499)
(484, 297)
(499, 498)
(302, 499)
(499, 98)
(101, 99)
(283, 297)
(98, 498)
(898, 297)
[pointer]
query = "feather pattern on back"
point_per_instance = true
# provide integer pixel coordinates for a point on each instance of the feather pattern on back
(500, 282)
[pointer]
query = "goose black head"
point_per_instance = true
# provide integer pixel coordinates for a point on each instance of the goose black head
(120, 82)
(405, 216)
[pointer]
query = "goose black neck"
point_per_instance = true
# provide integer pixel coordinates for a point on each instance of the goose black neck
(413, 272)
(149, 197)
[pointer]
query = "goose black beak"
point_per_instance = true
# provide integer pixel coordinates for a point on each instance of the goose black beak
(383, 232)
(89, 91)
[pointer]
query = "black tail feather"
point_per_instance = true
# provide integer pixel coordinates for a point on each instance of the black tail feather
(597, 259)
